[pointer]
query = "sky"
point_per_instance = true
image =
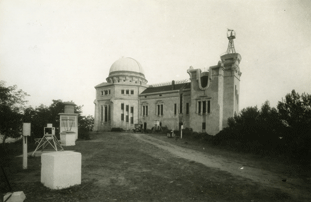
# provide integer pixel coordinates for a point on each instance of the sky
(61, 49)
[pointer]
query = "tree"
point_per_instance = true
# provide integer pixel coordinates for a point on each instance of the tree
(244, 125)
(284, 130)
(295, 113)
(269, 126)
(86, 123)
(10, 122)
(12, 105)
(12, 97)
(40, 116)
(295, 110)
(255, 129)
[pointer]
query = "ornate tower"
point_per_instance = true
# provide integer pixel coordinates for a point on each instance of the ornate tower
(230, 62)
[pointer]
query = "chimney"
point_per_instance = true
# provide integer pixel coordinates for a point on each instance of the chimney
(173, 85)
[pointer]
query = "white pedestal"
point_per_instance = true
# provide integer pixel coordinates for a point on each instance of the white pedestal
(61, 169)
(18, 196)
(68, 139)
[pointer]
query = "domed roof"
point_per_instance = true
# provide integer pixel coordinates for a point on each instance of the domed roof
(126, 64)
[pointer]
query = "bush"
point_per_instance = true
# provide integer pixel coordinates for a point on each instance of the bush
(227, 134)
(187, 133)
(117, 129)
(165, 130)
(195, 135)
(207, 138)
(148, 131)
(284, 130)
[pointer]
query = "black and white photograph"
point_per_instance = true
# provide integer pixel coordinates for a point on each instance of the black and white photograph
(155, 100)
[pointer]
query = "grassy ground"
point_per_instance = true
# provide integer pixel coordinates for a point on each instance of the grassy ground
(118, 167)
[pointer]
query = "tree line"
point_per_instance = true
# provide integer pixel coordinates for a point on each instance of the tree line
(14, 112)
(285, 129)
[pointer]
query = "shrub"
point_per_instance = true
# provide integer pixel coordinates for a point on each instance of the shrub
(117, 129)
(259, 131)
(148, 131)
(177, 133)
(165, 130)
(195, 135)
(207, 138)
(187, 133)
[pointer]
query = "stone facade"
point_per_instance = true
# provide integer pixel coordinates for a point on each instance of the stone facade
(203, 103)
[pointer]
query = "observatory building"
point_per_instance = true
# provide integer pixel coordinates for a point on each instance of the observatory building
(203, 103)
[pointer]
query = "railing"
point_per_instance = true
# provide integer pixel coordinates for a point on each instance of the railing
(170, 83)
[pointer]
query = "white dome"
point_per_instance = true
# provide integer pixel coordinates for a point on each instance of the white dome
(126, 64)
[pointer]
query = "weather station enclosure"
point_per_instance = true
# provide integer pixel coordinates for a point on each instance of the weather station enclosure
(49, 130)
(68, 125)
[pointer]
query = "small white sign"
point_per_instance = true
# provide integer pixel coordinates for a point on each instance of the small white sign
(49, 125)
(26, 129)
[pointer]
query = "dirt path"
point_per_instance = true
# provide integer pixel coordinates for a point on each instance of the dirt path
(294, 186)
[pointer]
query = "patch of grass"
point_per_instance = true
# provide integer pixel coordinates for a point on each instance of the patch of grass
(84, 135)
(119, 167)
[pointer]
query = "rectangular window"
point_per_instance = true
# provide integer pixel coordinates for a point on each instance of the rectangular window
(127, 118)
(162, 110)
(122, 91)
(187, 108)
(127, 92)
(132, 110)
(101, 113)
(108, 112)
(209, 106)
(122, 106)
(132, 120)
(132, 92)
(175, 108)
(158, 110)
(180, 104)
(122, 117)
(106, 92)
(102, 92)
(204, 107)
(199, 107)
(203, 126)
(127, 108)
(145, 110)
(109, 92)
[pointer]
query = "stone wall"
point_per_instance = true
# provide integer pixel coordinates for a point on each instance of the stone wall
(169, 118)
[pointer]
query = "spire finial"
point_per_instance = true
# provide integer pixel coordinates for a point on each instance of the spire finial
(230, 36)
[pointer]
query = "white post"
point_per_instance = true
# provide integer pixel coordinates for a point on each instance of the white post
(181, 127)
(25, 159)
(26, 132)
